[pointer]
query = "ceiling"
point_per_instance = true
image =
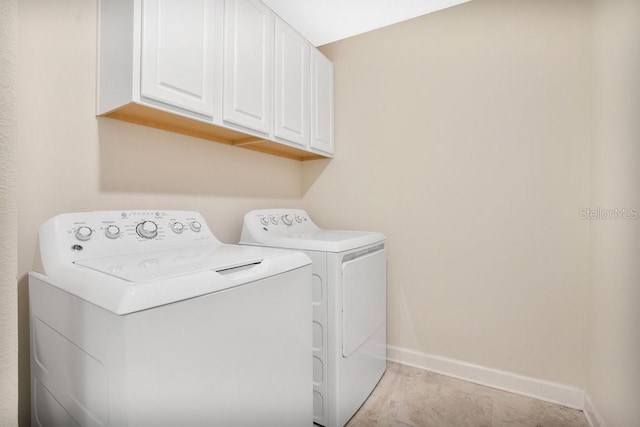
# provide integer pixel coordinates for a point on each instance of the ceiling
(326, 21)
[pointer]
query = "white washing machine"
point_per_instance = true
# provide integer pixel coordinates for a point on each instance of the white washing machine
(144, 318)
(349, 306)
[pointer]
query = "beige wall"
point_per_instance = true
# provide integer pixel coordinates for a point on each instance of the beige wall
(464, 136)
(8, 218)
(614, 382)
(70, 161)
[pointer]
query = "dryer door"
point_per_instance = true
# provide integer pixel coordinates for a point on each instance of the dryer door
(364, 298)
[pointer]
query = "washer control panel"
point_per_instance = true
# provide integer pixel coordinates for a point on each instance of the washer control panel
(145, 225)
(110, 233)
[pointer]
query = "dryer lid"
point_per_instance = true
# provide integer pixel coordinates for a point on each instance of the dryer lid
(161, 265)
(325, 240)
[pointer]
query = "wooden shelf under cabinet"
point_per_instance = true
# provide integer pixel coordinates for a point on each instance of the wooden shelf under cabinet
(147, 116)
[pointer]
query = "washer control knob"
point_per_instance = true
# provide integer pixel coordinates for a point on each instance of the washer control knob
(274, 220)
(147, 229)
(112, 232)
(196, 226)
(83, 233)
(287, 219)
(298, 219)
(177, 227)
(264, 221)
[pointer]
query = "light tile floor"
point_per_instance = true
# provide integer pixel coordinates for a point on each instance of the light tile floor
(413, 397)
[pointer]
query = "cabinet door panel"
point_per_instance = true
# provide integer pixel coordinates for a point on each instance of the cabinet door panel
(178, 53)
(248, 65)
(291, 85)
(321, 103)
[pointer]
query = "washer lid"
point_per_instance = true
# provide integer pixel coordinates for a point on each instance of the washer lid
(325, 240)
(129, 283)
(161, 265)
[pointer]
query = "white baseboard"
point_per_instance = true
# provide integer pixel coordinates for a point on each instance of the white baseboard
(531, 387)
(591, 413)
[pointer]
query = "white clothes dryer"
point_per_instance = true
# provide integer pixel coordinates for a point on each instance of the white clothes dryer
(143, 318)
(349, 306)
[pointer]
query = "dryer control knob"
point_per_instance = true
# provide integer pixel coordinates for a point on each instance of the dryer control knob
(287, 219)
(298, 219)
(112, 232)
(83, 233)
(147, 229)
(177, 227)
(196, 226)
(274, 220)
(264, 221)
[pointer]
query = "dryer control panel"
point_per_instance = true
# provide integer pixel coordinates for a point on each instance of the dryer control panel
(293, 229)
(70, 237)
(278, 222)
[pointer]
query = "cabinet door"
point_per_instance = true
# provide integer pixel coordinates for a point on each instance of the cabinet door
(291, 85)
(248, 62)
(178, 53)
(321, 102)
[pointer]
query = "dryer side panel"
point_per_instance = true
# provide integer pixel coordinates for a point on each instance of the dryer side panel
(319, 303)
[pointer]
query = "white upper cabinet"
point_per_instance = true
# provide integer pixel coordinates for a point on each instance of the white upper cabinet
(225, 70)
(248, 65)
(177, 63)
(321, 103)
(291, 85)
